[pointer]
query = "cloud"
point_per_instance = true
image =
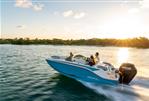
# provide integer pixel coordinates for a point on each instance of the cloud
(73, 14)
(28, 4)
(68, 13)
(79, 15)
(21, 26)
(23, 3)
(38, 7)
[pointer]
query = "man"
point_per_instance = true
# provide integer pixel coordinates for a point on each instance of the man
(70, 57)
(97, 59)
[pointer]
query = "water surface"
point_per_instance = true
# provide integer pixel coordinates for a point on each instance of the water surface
(25, 75)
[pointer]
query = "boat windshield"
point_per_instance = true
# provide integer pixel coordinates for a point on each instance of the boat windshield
(80, 56)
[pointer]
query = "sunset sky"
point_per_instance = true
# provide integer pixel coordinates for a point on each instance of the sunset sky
(74, 19)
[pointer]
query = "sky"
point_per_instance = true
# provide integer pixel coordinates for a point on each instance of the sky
(74, 19)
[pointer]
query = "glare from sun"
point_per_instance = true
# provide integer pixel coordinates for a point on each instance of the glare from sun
(123, 26)
(123, 55)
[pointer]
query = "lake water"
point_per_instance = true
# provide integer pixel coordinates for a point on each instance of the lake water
(25, 75)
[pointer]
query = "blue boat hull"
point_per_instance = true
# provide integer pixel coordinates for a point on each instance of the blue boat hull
(78, 72)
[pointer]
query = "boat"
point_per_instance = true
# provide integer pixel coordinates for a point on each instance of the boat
(78, 69)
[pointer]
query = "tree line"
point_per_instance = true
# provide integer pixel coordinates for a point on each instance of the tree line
(140, 42)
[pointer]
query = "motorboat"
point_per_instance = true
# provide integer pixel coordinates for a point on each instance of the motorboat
(78, 69)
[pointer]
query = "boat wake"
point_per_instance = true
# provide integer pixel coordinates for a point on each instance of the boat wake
(137, 90)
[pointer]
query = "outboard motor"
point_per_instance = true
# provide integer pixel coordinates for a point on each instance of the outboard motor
(127, 72)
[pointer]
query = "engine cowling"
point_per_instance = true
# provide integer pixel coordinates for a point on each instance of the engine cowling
(127, 72)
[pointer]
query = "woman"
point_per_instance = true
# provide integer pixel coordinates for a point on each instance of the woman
(70, 57)
(91, 60)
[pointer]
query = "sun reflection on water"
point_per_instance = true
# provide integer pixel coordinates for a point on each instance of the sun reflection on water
(123, 55)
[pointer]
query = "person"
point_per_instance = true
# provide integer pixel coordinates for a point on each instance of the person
(91, 60)
(97, 59)
(70, 57)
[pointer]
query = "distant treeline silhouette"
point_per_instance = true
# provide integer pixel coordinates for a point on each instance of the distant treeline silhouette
(140, 42)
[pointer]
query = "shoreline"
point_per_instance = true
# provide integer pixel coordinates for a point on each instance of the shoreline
(140, 42)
